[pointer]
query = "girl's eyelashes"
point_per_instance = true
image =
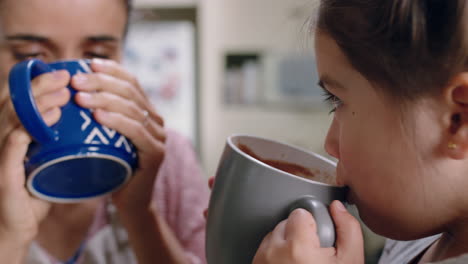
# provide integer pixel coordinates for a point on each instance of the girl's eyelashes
(332, 99)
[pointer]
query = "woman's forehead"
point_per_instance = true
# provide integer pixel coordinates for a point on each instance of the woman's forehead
(46, 16)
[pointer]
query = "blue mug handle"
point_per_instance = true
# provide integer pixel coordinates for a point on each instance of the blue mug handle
(23, 100)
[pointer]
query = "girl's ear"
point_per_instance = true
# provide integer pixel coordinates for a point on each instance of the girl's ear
(456, 95)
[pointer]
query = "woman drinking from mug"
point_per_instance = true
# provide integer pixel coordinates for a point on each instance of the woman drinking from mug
(156, 217)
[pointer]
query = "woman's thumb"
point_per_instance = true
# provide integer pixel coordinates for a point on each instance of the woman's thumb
(349, 241)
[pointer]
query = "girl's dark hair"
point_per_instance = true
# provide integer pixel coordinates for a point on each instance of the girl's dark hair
(411, 48)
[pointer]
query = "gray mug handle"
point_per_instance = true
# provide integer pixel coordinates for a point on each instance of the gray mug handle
(325, 225)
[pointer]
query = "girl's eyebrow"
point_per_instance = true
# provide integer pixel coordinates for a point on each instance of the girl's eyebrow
(325, 80)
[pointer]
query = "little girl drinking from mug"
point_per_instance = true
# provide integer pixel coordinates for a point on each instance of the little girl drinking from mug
(396, 73)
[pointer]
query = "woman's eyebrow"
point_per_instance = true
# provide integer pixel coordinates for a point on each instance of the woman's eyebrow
(28, 37)
(103, 38)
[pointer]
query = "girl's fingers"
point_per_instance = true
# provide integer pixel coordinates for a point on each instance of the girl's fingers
(279, 233)
(265, 245)
(301, 227)
(211, 181)
(349, 243)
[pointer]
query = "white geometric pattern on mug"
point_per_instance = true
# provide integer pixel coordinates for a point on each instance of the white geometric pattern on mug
(96, 136)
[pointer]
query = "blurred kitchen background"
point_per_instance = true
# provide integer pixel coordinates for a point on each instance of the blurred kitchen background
(213, 68)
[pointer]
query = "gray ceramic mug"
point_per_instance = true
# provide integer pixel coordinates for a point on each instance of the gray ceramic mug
(256, 187)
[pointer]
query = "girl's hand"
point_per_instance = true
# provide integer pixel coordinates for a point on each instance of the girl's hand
(295, 240)
(210, 184)
(20, 213)
(120, 103)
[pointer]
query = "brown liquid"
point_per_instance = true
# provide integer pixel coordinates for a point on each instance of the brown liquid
(292, 168)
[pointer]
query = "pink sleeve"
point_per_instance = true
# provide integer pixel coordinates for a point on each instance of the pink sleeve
(181, 195)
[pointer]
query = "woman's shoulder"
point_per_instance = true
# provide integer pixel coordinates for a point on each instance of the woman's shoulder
(174, 137)
(180, 160)
(178, 147)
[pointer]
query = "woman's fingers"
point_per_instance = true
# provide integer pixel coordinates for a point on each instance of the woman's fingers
(112, 103)
(151, 149)
(11, 161)
(96, 82)
(114, 90)
(116, 70)
(112, 79)
(50, 82)
(50, 94)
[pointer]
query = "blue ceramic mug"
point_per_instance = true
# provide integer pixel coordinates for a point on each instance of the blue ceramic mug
(77, 158)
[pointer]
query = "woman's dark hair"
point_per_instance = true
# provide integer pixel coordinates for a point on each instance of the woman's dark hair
(128, 5)
(128, 8)
(410, 48)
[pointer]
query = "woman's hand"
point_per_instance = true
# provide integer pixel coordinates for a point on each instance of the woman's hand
(21, 213)
(295, 240)
(120, 103)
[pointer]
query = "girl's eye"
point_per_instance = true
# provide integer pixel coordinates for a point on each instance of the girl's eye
(333, 100)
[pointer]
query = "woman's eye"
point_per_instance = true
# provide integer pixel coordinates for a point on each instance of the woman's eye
(333, 100)
(96, 55)
(19, 56)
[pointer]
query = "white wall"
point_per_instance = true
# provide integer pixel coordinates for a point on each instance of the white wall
(165, 3)
(273, 26)
(267, 26)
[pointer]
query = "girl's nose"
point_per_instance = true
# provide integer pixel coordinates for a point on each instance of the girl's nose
(332, 140)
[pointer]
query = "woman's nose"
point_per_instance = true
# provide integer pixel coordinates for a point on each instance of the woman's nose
(332, 140)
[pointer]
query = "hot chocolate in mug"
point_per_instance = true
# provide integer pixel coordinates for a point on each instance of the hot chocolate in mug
(258, 183)
(77, 158)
